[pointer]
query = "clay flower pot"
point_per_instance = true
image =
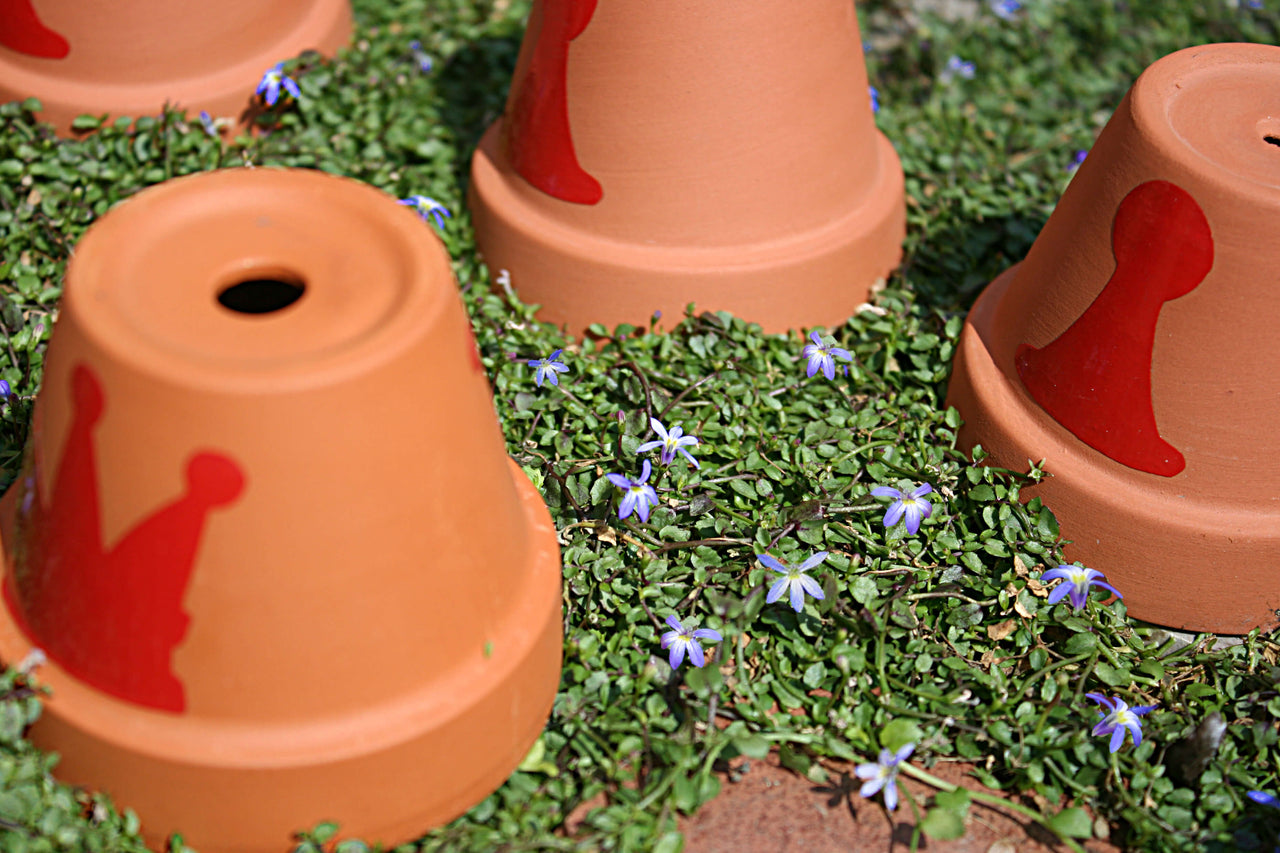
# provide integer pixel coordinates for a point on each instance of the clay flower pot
(651, 156)
(131, 57)
(1135, 348)
(267, 533)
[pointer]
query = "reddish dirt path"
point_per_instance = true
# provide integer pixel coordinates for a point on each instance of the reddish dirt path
(773, 810)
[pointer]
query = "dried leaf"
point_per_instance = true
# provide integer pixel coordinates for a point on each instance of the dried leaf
(1002, 630)
(606, 534)
(1020, 610)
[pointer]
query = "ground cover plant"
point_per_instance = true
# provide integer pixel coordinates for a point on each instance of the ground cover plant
(786, 581)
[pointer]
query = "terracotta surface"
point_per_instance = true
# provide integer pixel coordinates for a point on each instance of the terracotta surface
(770, 809)
(1135, 349)
(279, 560)
(654, 155)
(130, 57)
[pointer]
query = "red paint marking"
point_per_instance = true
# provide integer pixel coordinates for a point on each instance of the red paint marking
(21, 30)
(538, 139)
(111, 618)
(1095, 379)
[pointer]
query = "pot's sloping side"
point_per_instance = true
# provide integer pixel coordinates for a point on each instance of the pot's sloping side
(131, 58)
(1134, 350)
(651, 157)
(267, 532)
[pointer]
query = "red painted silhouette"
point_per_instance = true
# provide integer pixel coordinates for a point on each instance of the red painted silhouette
(112, 618)
(1095, 379)
(539, 142)
(21, 30)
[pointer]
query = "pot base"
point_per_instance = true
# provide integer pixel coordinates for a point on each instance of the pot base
(1181, 562)
(583, 278)
(388, 773)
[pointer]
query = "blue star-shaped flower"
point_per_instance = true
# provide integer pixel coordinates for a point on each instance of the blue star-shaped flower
(548, 368)
(638, 495)
(911, 506)
(427, 206)
(680, 640)
(822, 356)
(670, 442)
(1076, 582)
(1119, 718)
(793, 579)
(272, 81)
(883, 775)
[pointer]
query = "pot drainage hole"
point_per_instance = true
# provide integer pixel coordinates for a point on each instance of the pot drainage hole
(261, 295)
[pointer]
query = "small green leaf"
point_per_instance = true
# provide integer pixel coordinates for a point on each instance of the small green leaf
(942, 825)
(1072, 823)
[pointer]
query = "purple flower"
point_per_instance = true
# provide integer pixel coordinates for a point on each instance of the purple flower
(670, 442)
(1265, 799)
(681, 639)
(956, 67)
(427, 206)
(875, 99)
(639, 496)
(548, 368)
(883, 775)
(822, 356)
(1118, 718)
(271, 82)
(912, 506)
(213, 126)
(5, 390)
(795, 579)
(1005, 9)
(420, 56)
(1077, 160)
(1076, 582)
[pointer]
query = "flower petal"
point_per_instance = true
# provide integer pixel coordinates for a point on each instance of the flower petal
(816, 559)
(922, 491)
(1059, 592)
(771, 563)
(677, 653)
(1101, 699)
(891, 795)
(674, 623)
(914, 515)
(775, 591)
(811, 586)
(647, 446)
(1117, 738)
(797, 594)
(708, 634)
(696, 657)
(886, 492)
(1109, 587)
(894, 515)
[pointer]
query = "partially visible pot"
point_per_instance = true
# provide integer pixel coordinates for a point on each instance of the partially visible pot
(131, 57)
(1135, 349)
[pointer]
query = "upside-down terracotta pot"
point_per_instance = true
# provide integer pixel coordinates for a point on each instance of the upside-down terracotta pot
(131, 57)
(652, 155)
(268, 534)
(1135, 348)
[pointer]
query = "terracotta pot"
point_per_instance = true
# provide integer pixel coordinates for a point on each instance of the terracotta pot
(651, 156)
(1135, 348)
(130, 57)
(268, 534)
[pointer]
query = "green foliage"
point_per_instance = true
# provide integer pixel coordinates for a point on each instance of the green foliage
(943, 639)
